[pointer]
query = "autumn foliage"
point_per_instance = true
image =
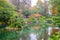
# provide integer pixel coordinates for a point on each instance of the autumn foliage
(35, 15)
(55, 10)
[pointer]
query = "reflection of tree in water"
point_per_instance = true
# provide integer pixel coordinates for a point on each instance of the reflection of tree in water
(31, 36)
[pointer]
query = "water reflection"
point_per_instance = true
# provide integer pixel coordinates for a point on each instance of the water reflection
(37, 36)
(30, 36)
(33, 36)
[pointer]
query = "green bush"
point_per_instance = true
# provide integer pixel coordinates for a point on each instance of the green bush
(55, 36)
(6, 12)
(8, 35)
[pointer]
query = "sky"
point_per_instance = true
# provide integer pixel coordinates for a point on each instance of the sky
(33, 2)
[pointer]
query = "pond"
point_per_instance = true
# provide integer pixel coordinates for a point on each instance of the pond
(36, 36)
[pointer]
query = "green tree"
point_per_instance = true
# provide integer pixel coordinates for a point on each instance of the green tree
(55, 36)
(55, 10)
(9, 18)
(6, 12)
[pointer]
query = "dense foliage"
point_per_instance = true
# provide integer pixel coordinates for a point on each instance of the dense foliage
(6, 12)
(9, 35)
(14, 24)
(55, 36)
(8, 15)
(9, 19)
(55, 12)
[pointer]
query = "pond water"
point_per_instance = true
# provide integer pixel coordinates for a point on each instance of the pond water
(35, 36)
(31, 36)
